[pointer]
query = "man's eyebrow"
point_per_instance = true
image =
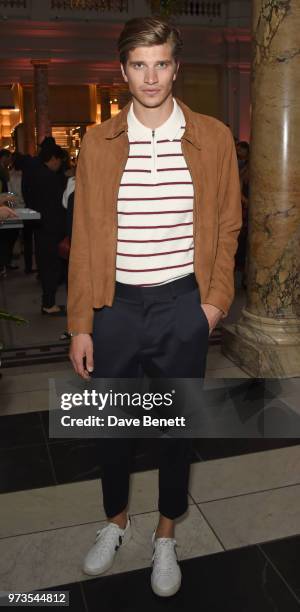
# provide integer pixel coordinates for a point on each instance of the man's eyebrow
(162, 61)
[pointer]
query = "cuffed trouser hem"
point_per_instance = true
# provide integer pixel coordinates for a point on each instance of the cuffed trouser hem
(116, 511)
(172, 514)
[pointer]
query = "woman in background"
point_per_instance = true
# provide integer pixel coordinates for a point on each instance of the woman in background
(9, 236)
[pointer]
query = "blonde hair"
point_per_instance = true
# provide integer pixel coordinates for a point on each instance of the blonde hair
(147, 32)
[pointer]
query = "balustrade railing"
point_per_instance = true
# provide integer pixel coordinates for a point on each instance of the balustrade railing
(210, 12)
(201, 9)
(90, 5)
(13, 4)
(195, 10)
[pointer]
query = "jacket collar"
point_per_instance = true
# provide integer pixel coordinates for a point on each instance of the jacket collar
(191, 133)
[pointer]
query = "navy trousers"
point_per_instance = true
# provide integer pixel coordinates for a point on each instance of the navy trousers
(163, 332)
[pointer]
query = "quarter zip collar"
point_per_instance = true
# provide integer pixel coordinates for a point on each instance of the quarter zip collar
(192, 133)
(168, 130)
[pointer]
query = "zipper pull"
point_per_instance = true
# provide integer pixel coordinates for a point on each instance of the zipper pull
(154, 152)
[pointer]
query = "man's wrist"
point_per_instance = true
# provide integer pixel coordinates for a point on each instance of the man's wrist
(73, 334)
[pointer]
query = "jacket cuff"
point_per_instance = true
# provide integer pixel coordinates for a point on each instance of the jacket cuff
(219, 300)
(83, 325)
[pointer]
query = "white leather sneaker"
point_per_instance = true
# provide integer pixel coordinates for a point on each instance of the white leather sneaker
(166, 573)
(101, 556)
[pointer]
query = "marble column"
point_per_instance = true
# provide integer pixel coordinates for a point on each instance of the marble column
(105, 103)
(41, 99)
(266, 340)
(28, 120)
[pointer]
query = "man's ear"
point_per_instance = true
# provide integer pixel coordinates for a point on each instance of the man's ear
(176, 71)
(124, 73)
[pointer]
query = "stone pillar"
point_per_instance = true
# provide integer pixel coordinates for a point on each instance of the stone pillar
(266, 340)
(28, 121)
(105, 103)
(41, 99)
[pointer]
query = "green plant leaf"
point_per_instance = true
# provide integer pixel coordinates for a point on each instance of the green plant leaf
(9, 317)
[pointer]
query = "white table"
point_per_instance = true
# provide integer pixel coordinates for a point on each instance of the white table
(24, 214)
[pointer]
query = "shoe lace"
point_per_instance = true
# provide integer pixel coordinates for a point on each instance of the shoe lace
(164, 555)
(108, 536)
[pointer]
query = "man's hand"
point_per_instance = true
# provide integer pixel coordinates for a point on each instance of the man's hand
(213, 315)
(82, 349)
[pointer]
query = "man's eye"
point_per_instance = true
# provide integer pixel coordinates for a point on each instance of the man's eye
(162, 64)
(138, 65)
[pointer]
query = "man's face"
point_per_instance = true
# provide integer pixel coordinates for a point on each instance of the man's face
(242, 153)
(150, 73)
(54, 163)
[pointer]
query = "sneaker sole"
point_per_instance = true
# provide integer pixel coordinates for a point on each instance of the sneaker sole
(169, 593)
(98, 572)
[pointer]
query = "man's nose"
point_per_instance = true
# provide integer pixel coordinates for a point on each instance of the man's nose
(151, 76)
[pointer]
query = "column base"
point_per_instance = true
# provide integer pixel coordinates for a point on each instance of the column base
(262, 347)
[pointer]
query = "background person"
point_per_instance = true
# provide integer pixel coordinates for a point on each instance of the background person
(45, 189)
(10, 236)
(5, 213)
(18, 162)
(5, 161)
(28, 191)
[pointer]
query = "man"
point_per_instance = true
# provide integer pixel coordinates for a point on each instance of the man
(242, 151)
(157, 214)
(30, 227)
(44, 187)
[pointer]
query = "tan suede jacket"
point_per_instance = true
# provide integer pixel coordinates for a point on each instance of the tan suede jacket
(209, 151)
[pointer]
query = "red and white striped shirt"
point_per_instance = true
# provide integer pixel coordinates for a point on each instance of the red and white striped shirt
(155, 205)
